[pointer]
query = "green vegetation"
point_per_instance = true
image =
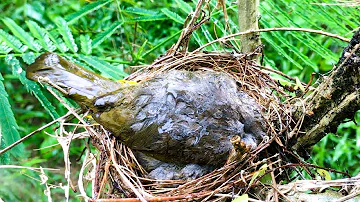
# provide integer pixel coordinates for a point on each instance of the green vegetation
(109, 36)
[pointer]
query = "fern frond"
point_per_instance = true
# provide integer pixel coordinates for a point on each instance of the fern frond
(105, 68)
(208, 37)
(172, 15)
(161, 43)
(4, 49)
(4, 158)
(290, 48)
(280, 51)
(66, 34)
(158, 17)
(304, 38)
(41, 35)
(8, 126)
(30, 86)
(12, 42)
(184, 6)
(85, 10)
(85, 42)
(58, 42)
(22, 35)
(140, 11)
(99, 38)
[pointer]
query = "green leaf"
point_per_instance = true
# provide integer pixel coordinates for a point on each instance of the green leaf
(105, 68)
(324, 174)
(174, 16)
(304, 38)
(291, 48)
(184, 6)
(12, 42)
(141, 49)
(22, 35)
(85, 10)
(242, 198)
(30, 86)
(140, 11)
(4, 158)
(59, 43)
(99, 38)
(258, 173)
(4, 49)
(66, 34)
(85, 42)
(146, 18)
(41, 34)
(161, 43)
(8, 126)
(28, 57)
(208, 37)
(280, 51)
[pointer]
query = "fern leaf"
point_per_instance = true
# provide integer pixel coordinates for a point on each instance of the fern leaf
(141, 49)
(293, 49)
(30, 85)
(4, 49)
(22, 35)
(59, 43)
(161, 43)
(85, 42)
(281, 51)
(147, 18)
(140, 11)
(99, 38)
(8, 126)
(12, 42)
(4, 158)
(85, 10)
(66, 34)
(41, 35)
(184, 6)
(28, 57)
(208, 36)
(174, 16)
(308, 41)
(105, 68)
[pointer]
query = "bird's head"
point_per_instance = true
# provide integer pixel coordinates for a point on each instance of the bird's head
(78, 83)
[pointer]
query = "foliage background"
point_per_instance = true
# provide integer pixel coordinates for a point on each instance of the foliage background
(127, 33)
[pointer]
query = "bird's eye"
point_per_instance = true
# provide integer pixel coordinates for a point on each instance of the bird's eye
(104, 103)
(101, 104)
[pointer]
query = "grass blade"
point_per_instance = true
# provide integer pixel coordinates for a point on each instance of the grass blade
(8, 126)
(31, 86)
(99, 38)
(72, 18)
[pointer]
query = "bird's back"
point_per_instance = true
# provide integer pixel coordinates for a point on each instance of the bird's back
(182, 117)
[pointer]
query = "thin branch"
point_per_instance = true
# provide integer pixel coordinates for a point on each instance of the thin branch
(275, 29)
(33, 133)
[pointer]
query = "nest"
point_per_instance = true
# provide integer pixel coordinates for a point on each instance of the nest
(118, 174)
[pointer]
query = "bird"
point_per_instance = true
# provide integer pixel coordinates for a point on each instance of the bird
(179, 117)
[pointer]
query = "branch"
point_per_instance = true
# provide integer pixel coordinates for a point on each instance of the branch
(248, 20)
(335, 99)
(231, 36)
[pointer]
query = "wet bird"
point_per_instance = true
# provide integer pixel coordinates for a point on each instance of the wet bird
(178, 116)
